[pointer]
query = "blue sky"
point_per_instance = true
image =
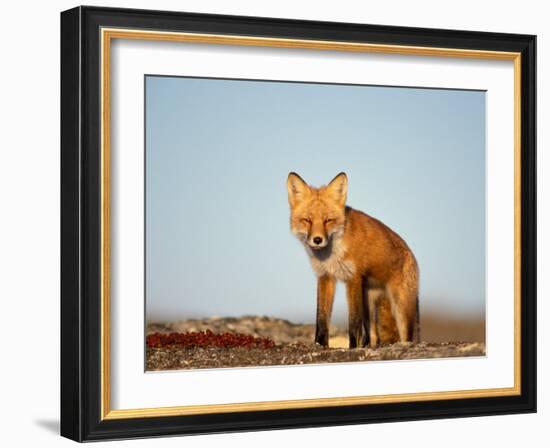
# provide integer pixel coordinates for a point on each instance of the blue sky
(218, 152)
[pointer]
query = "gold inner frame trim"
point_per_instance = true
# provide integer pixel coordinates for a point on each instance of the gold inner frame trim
(107, 35)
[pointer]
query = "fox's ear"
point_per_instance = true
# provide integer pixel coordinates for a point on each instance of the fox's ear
(297, 189)
(338, 188)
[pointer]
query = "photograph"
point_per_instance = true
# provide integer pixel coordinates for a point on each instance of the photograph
(291, 223)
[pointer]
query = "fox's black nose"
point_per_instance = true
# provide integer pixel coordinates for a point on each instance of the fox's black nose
(317, 240)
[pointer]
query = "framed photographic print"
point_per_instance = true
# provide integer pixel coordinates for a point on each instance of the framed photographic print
(272, 223)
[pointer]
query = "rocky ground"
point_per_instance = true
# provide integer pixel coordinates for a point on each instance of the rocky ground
(293, 344)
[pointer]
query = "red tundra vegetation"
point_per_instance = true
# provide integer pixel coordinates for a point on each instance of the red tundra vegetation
(207, 339)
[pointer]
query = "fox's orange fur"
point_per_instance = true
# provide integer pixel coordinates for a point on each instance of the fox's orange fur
(378, 268)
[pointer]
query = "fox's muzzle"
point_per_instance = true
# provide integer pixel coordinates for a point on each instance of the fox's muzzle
(317, 241)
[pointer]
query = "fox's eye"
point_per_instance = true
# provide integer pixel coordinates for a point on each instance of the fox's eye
(305, 221)
(329, 221)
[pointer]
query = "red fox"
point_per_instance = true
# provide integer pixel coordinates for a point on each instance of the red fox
(379, 269)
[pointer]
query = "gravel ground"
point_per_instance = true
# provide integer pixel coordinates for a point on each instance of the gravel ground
(196, 358)
(293, 346)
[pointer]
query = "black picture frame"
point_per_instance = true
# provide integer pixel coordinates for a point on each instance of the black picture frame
(81, 224)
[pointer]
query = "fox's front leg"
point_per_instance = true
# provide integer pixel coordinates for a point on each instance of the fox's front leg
(354, 292)
(325, 297)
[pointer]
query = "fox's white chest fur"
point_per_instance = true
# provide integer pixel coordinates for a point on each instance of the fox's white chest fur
(333, 263)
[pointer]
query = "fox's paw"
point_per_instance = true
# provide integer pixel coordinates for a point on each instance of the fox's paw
(322, 343)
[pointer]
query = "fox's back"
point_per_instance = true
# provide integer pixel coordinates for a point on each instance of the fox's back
(375, 250)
